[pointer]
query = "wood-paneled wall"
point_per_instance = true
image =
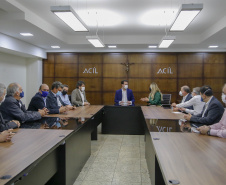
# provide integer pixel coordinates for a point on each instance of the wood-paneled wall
(103, 72)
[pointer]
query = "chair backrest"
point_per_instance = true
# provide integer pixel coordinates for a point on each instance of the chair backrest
(166, 99)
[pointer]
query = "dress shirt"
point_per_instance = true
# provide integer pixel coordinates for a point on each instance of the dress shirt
(219, 129)
(206, 106)
(184, 98)
(124, 97)
(195, 102)
(65, 99)
(82, 95)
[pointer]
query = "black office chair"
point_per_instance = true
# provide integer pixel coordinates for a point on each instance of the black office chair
(166, 102)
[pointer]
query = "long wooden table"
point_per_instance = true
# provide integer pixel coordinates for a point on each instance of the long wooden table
(157, 112)
(28, 150)
(82, 111)
(188, 158)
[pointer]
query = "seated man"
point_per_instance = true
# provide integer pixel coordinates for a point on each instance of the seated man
(39, 100)
(185, 92)
(212, 110)
(195, 101)
(13, 108)
(53, 102)
(78, 95)
(124, 96)
(6, 125)
(64, 96)
(218, 129)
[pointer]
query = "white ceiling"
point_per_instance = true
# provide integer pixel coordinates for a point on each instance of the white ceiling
(132, 25)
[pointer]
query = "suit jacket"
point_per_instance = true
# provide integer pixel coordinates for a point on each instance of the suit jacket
(6, 125)
(52, 104)
(212, 115)
(189, 96)
(76, 98)
(36, 103)
(11, 110)
(118, 96)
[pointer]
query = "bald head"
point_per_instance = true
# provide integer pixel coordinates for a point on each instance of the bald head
(43, 87)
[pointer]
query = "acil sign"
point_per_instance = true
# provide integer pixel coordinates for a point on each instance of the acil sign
(165, 71)
(90, 70)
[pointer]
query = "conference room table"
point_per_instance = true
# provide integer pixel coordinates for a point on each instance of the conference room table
(187, 158)
(32, 156)
(68, 153)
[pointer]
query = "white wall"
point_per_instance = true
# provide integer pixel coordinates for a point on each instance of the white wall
(25, 71)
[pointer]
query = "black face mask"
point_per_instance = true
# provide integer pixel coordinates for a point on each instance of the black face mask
(150, 88)
(64, 92)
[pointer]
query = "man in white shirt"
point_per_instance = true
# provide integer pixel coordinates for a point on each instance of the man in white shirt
(185, 92)
(195, 102)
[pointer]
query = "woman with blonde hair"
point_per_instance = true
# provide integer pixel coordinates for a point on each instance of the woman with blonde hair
(155, 96)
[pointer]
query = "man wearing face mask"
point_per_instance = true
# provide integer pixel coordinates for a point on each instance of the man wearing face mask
(39, 100)
(195, 101)
(218, 129)
(78, 95)
(185, 92)
(13, 108)
(212, 110)
(53, 102)
(4, 125)
(124, 96)
(64, 96)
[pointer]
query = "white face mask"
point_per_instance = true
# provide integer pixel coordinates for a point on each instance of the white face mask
(126, 86)
(180, 93)
(2, 100)
(83, 88)
(223, 97)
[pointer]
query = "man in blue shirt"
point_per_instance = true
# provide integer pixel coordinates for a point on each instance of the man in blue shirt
(64, 96)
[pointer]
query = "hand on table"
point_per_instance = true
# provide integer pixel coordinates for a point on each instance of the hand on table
(203, 129)
(17, 122)
(187, 117)
(6, 135)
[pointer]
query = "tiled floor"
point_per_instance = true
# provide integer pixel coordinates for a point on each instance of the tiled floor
(116, 160)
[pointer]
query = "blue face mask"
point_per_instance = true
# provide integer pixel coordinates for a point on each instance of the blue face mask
(44, 93)
(202, 99)
(22, 94)
(58, 93)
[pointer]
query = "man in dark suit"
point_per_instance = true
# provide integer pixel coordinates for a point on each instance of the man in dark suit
(4, 125)
(124, 96)
(212, 110)
(13, 108)
(39, 100)
(54, 103)
(186, 93)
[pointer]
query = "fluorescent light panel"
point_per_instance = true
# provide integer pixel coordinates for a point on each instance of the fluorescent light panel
(55, 47)
(186, 15)
(66, 14)
(26, 34)
(213, 46)
(112, 46)
(166, 41)
(95, 41)
(152, 46)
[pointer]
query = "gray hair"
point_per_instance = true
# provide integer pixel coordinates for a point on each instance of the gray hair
(186, 89)
(12, 89)
(196, 90)
(2, 88)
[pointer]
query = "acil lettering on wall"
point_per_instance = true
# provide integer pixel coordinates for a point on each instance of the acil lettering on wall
(90, 70)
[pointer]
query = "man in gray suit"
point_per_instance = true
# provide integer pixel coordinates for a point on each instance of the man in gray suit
(212, 110)
(78, 96)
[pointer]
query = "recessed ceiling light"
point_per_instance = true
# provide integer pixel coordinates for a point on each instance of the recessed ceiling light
(26, 34)
(152, 46)
(55, 47)
(112, 46)
(213, 46)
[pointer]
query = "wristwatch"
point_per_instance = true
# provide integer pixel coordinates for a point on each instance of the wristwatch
(208, 132)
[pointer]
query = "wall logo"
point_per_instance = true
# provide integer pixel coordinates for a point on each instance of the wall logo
(90, 70)
(164, 129)
(165, 71)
